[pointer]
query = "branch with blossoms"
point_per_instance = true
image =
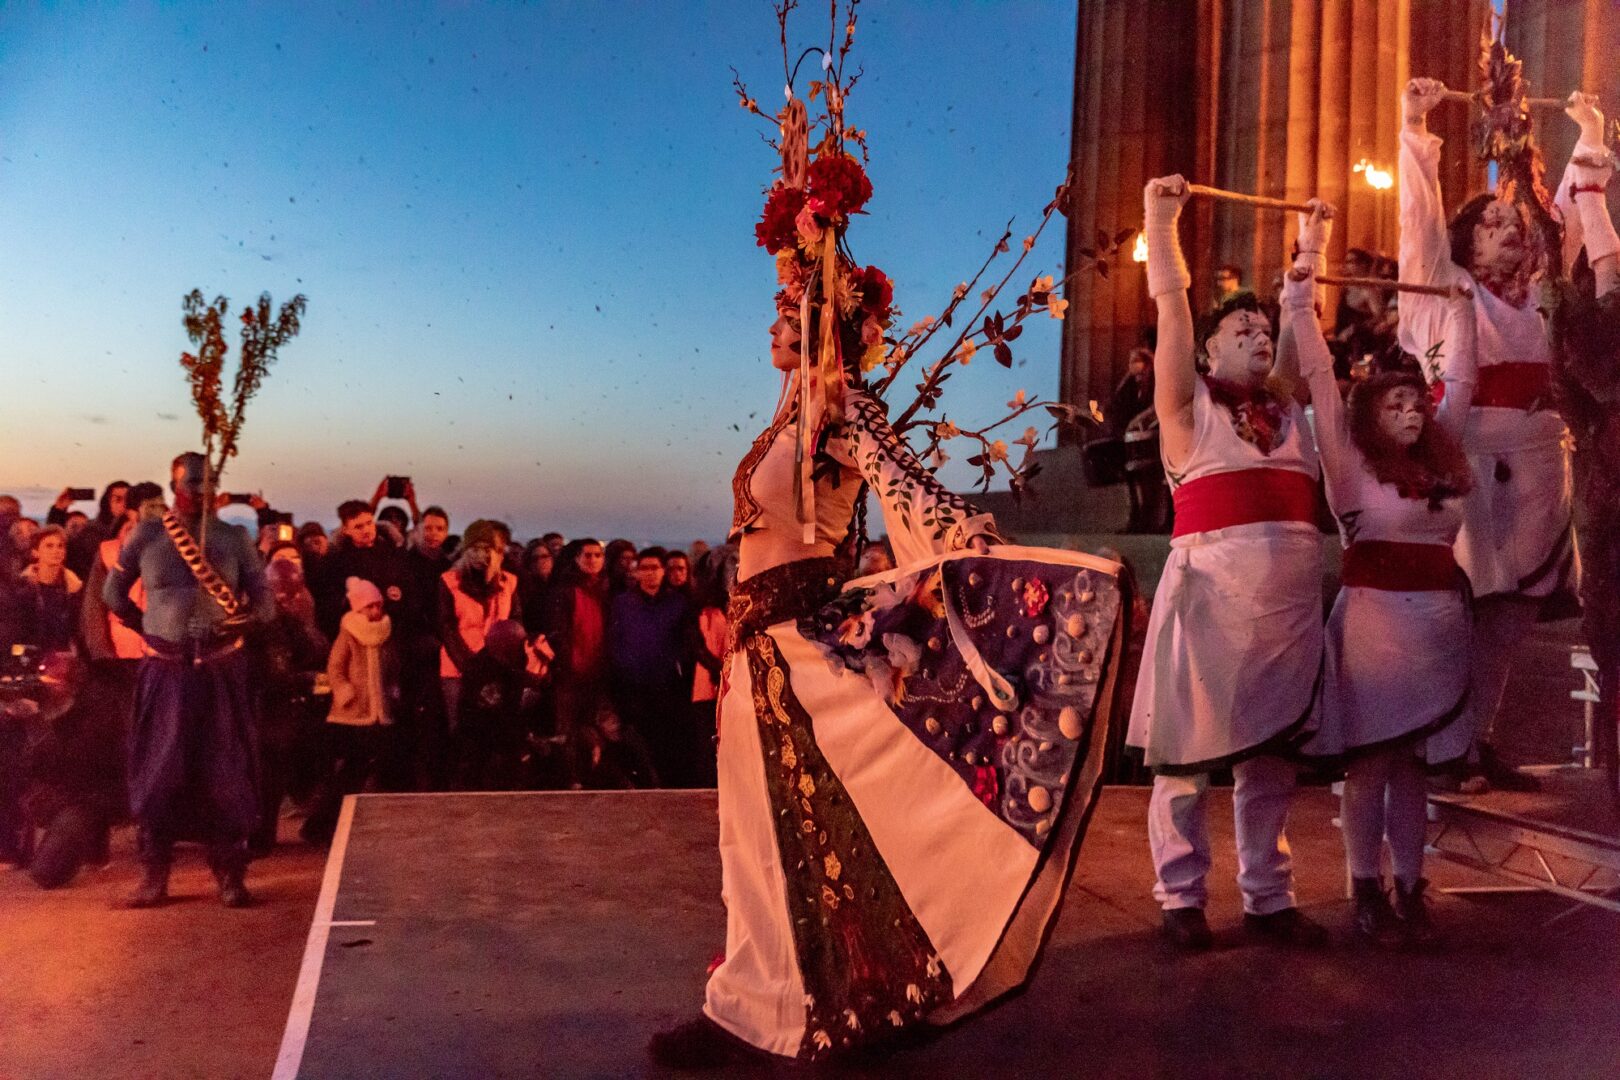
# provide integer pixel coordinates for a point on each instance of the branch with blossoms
(994, 454)
(817, 197)
(262, 336)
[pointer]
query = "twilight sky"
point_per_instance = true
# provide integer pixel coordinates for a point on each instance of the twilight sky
(525, 234)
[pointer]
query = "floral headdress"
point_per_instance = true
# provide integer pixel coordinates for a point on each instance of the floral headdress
(846, 311)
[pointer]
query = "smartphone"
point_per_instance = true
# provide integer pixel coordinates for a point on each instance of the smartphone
(285, 532)
(396, 486)
(281, 517)
(239, 499)
(82, 494)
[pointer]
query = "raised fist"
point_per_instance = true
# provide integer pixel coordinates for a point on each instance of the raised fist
(1422, 95)
(1583, 109)
(1163, 198)
(1315, 228)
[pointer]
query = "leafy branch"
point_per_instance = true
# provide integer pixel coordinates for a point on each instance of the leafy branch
(261, 338)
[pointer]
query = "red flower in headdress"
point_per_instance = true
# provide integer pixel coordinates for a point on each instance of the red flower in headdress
(837, 186)
(775, 229)
(877, 292)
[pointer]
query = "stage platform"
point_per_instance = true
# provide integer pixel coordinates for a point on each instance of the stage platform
(547, 934)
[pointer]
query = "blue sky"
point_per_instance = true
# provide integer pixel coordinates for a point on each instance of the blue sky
(525, 233)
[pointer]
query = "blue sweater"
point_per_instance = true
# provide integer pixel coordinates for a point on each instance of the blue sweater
(645, 637)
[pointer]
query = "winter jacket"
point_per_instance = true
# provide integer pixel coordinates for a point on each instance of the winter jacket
(364, 672)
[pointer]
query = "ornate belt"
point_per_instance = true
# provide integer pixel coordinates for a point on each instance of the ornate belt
(789, 591)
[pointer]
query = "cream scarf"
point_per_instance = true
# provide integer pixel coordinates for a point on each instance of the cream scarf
(371, 636)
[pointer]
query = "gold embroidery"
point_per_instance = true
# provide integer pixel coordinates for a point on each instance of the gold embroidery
(807, 785)
(832, 865)
(745, 508)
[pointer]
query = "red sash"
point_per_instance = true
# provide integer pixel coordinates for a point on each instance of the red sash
(1243, 497)
(1398, 567)
(1508, 386)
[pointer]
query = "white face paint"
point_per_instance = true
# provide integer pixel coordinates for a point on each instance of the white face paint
(1401, 416)
(1501, 247)
(1240, 349)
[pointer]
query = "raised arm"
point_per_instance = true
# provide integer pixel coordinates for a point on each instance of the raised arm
(1459, 362)
(923, 517)
(1310, 259)
(1580, 197)
(1302, 328)
(1173, 373)
(1425, 244)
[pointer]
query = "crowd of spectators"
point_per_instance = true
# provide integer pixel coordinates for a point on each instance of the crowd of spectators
(399, 656)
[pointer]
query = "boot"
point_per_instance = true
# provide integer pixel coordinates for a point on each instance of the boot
(1187, 929)
(1412, 913)
(233, 891)
(1375, 919)
(228, 861)
(156, 855)
(701, 1044)
(1290, 926)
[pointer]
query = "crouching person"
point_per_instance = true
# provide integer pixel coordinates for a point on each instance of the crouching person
(363, 671)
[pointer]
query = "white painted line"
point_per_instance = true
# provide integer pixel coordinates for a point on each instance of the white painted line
(353, 922)
(291, 1057)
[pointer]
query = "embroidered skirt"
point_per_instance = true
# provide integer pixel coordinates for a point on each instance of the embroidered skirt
(906, 766)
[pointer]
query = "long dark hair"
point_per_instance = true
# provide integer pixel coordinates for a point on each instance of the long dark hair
(1433, 468)
(1541, 240)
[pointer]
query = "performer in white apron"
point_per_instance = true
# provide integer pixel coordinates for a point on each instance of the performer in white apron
(1232, 661)
(1395, 679)
(1516, 543)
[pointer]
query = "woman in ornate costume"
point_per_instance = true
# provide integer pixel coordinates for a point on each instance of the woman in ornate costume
(1395, 677)
(907, 760)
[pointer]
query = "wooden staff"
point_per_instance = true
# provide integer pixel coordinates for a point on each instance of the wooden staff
(1383, 283)
(1534, 103)
(1260, 201)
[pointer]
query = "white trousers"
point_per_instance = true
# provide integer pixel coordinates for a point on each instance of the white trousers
(1179, 836)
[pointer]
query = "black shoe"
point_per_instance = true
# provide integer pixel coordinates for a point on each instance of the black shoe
(1501, 775)
(153, 889)
(233, 892)
(1287, 927)
(701, 1044)
(1412, 915)
(1375, 919)
(1187, 929)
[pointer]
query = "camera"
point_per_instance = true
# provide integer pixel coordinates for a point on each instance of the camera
(397, 486)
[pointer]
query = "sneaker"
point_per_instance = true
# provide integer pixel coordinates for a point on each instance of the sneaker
(1375, 919)
(1412, 915)
(1287, 927)
(1187, 929)
(701, 1044)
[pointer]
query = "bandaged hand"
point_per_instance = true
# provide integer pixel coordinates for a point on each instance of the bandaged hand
(1583, 109)
(1162, 200)
(1315, 228)
(1421, 95)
